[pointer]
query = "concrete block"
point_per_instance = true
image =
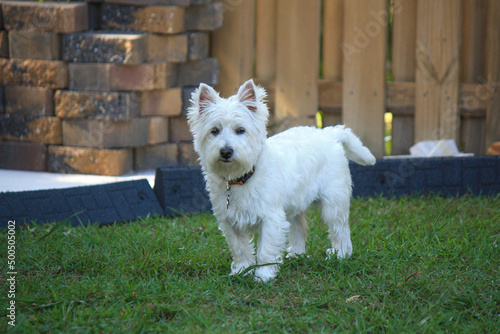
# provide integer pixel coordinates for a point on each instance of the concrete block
(206, 17)
(45, 130)
(117, 106)
(4, 44)
(164, 102)
(23, 156)
(198, 45)
(96, 47)
(154, 156)
(61, 17)
(194, 72)
(167, 48)
(158, 130)
(179, 129)
(47, 73)
(187, 154)
(105, 133)
(159, 19)
(2, 99)
(116, 77)
(29, 101)
(29, 44)
(150, 2)
(78, 160)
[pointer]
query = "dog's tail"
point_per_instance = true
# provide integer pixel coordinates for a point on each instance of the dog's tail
(354, 149)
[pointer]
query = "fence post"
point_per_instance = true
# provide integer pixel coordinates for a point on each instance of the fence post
(437, 79)
(403, 70)
(234, 45)
(493, 70)
(297, 66)
(364, 49)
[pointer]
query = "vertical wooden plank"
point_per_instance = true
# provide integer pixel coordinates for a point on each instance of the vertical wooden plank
(473, 67)
(364, 49)
(493, 70)
(473, 50)
(333, 30)
(234, 46)
(297, 65)
(404, 34)
(437, 86)
(333, 33)
(265, 40)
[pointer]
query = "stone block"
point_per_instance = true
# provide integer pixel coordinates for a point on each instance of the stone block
(167, 48)
(2, 99)
(28, 44)
(186, 98)
(61, 17)
(187, 154)
(47, 73)
(4, 44)
(94, 10)
(77, 160)
(159, 19)
(179, 129)
(105, 133)
(116, 77)
(154, 156)
(198, 45)
(158, 130)
(165, 102)
(23, 156)
(96, 47)
(206, 17)
(194, 72)
(117, 106)
(150, 2)
(29, 101)
(45, 130)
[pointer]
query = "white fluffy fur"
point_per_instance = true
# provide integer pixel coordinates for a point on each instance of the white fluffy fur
(292, 169)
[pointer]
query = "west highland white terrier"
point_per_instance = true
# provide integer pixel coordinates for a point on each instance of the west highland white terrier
(263, 185)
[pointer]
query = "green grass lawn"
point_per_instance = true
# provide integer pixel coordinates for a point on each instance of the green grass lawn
(420, 264)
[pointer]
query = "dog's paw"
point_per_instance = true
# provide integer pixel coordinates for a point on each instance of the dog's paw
(339, 253)
(266, 273)
(238, 268)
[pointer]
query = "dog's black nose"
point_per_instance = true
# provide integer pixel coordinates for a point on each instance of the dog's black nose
(226, 153)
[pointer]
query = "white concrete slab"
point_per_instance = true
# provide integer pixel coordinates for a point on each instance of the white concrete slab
(14, 180)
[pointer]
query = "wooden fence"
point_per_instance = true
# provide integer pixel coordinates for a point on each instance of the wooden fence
(433, 64)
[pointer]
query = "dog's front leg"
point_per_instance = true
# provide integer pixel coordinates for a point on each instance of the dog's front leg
(241, 246)
(271, 244)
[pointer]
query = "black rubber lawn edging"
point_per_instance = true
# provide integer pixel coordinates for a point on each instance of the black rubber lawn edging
(181, 190)
(102, 204)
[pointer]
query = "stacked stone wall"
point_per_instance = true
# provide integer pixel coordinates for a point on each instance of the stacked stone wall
(101, 86)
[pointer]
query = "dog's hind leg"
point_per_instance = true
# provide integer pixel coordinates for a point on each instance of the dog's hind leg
(335, 213)
(297, 235)
(241, 247)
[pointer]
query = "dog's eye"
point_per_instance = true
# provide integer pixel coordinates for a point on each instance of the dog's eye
(214, 131)
(240, 131)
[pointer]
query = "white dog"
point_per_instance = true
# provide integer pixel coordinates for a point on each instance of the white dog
(265, 185)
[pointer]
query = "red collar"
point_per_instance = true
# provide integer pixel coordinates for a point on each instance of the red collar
(242, 180)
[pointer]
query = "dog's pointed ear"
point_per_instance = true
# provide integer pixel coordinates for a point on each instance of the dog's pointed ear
(205, 96)
(247, 94)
